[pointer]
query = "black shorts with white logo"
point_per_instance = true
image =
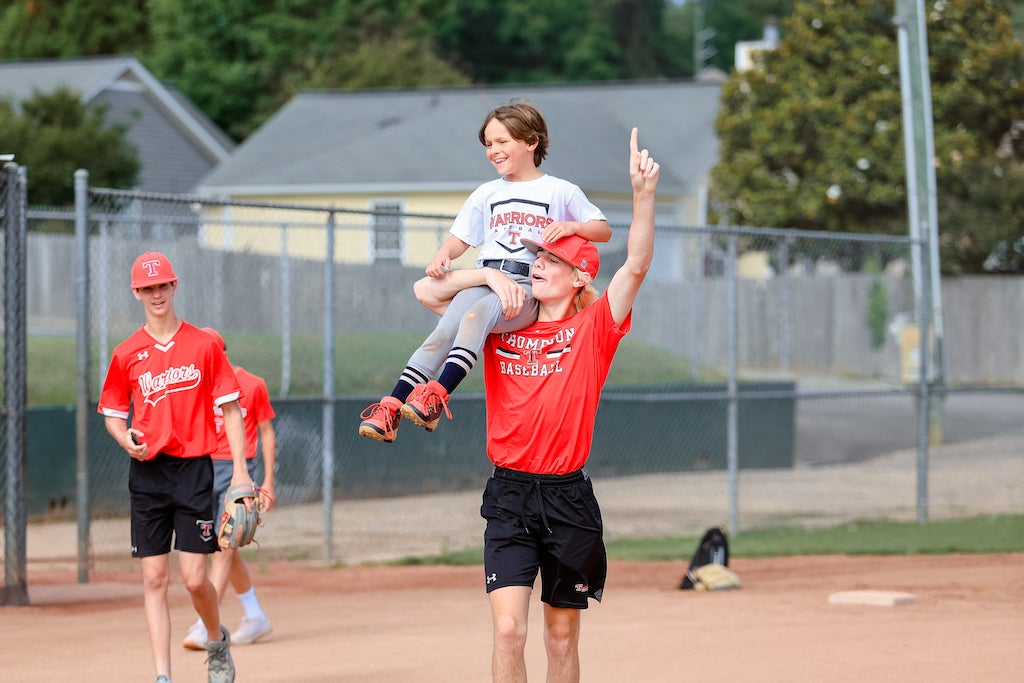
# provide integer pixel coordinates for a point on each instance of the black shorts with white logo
(549, 524)
(172, 496)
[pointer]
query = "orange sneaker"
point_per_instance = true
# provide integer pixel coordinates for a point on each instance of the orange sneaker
(380, 421)
(426, 404)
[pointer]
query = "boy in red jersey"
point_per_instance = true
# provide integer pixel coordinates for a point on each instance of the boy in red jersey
(169, 375)
(228, 565)
(543, 385)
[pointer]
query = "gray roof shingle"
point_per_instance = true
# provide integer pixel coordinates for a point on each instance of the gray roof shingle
(426, 139)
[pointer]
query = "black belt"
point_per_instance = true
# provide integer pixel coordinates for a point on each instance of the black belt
(511, 267)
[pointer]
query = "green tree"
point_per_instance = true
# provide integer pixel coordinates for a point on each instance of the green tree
(982, 224)
(731, 23)
(812, 137)
(54, 134)
(395, 61)
(72, 28)
(373, 44)
(537, 40)
(226, 56)
(636, 28)
(504, 42)
(241, 60)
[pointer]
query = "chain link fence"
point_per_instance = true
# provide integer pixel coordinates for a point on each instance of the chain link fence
(771, 378)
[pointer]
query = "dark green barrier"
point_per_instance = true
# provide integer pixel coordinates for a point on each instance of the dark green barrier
(645, 432)
(637, 433)
(51, 470)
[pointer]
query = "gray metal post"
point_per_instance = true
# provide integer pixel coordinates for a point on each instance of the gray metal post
(914, 62)
(785, 317)
(732, 435)
(934, 270)
(15, 522)
(924, 412)
(102, 290)
(938, 369)
(695, 297)
(909, 154)
(82, 411)
(327, 484)
(918, 137)
(701, 52)
(286, 314)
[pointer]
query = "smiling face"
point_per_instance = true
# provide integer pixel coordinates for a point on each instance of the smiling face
(512, 158)
(157, 299)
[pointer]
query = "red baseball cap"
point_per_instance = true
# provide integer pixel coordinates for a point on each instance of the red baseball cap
(152, 268)
(216, 336)
(573, 249)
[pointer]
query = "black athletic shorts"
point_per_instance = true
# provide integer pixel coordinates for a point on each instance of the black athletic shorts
(547, 523)
(172, 496)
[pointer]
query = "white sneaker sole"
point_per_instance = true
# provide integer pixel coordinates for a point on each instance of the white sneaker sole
(238, 639)
(194, 644)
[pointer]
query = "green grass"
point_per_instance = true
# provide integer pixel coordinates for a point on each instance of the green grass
(51, 371)
(975, 535)
(364, 364)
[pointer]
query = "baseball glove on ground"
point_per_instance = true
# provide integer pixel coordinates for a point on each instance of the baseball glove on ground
(238, 524)
(714, 577)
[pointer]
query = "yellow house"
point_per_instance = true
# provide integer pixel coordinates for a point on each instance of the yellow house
(406, 159)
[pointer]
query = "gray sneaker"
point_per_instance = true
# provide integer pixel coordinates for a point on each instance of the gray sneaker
(162, 679)
(219, 667)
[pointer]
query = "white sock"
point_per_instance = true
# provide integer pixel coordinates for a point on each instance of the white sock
(251, 604)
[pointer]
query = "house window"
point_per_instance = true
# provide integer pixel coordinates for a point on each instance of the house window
(387, 233)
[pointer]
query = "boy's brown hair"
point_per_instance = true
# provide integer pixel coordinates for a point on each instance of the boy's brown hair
(525, 122)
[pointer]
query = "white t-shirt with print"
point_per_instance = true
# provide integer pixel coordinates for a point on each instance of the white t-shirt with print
(499, 213)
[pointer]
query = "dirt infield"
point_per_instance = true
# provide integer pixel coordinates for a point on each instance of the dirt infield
(432, 624)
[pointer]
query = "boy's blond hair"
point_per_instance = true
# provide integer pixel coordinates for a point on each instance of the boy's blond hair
(586, 294)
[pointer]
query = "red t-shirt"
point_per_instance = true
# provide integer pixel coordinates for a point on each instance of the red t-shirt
(255, 405)
(170, 390)
(543, 385)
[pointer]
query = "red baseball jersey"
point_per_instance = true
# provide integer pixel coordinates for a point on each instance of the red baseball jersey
(255, 405)
(543, 386)
(170, 390)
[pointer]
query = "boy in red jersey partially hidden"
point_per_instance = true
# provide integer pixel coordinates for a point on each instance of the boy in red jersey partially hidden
(168, 376)
(228, 566)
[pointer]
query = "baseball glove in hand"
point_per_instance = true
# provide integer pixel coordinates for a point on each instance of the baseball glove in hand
(238, 524)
